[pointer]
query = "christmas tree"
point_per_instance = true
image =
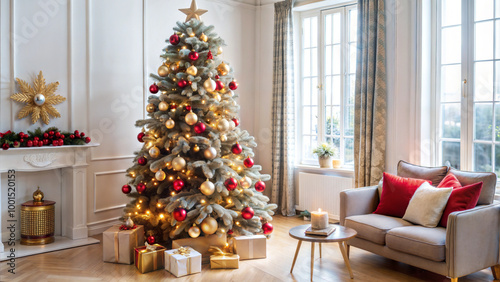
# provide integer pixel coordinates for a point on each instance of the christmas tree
(195, 170)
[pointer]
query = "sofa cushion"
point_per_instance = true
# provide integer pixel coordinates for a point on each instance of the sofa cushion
(450, 180)
(434, 174)
(489, 180)
(461, 198)
(420, 241)
(373, 227)
(396, 194)
(427, 205)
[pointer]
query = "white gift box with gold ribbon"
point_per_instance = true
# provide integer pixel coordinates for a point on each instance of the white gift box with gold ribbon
(182, 261)
(118, 245)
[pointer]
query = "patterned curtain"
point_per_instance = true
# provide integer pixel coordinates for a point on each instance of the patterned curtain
(370, 95)
(283, 192)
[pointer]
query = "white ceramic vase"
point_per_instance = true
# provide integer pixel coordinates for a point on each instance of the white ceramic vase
(325, 162)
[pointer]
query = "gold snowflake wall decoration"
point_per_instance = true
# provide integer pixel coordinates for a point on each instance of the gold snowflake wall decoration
(39, 99)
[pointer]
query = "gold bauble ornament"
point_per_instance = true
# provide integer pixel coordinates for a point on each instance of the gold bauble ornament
(191, 118)
(196, 148)
(209, 85)
(207, 188)
(163, 71)
(246, 182)
(160, 175)
(219, 50)
(154, 152)
(170, 123)
(203, 37)
(209, 225)
(192, 70)
(174, 67)
(223, 137)
(150, 108)
(163, 106)
(223, 68)
(178, 163)
(194, 232)
(210, 153)
(223, 125)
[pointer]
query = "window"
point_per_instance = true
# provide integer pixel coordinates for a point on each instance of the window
(467, 87)
(327, 75)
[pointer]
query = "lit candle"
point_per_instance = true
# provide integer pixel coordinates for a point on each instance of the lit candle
(319, 219)
(336, 163)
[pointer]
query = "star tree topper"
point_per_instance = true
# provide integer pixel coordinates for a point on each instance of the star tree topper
(39, 100)
(193, 12)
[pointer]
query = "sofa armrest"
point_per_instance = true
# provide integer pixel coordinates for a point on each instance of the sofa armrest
(472, 239)
(358, 201)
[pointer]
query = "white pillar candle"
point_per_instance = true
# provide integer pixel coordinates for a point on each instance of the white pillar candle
(319, 219)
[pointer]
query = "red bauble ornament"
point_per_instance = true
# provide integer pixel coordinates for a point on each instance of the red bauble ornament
(153, 89)
(188, 108)
(82, 134)
(16, 144)
(151, 239)
(248, 162)
(72, 136)
(29, 143)
(5, 146)
(173, 106)
(178, 184)
(52, 132)
(45, 135)
(236, 121)
(219, 85)
(126, 189)
(260, 186)
(182, 83)
(142, 161)
(233, 85)
(54, 143)
(35, 143)
(193, 55)
(61, 142)
(180, 214)
(247, 213)
(230, 232)
(231, 184)
(267, 228)
(45, 142)
(36, 138)
(174, 39)
(62, 136)
(139, 136)
(217, 76)
(209, 55)
(58, 134)
(87, 140)
(199, 127)
(236, 149)
(141, 187)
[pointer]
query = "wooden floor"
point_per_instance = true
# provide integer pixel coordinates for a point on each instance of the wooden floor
(85, 264)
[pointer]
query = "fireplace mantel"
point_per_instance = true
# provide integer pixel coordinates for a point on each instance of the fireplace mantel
(73, 162)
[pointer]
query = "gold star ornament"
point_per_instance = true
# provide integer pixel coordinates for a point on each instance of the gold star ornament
(193, 12)
(39, 99)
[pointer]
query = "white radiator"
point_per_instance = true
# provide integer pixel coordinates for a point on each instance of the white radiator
(322, 191)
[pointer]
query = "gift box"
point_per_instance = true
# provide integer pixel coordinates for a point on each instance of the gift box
(149, 258)
(118, 245)
(250, 247)
(182, 261)
(202, 244)
(225, 261)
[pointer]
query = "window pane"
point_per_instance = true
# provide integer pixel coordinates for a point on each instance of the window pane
(497, 81)
(306, 55)
(314, 60)
(314, 32)
(450, 117)
(336, 59)
(451, 12)
(451, 153)
(314, 117)
(352, 88)
(335, 121)
(451, 83)
(483, 44)
(306, 31)
(353, 25)
(314, 91)
(497, 8)
(483, 10)
(450, 45)
(352, 58)
(348, 151)
(497, 36)
(306, 147)
(306, 91)
(497, 159)
(483, 119)
(483, 81)
(336, 90)
(328, 90)
(328, 60)
(336, 144)
(328, 123)
(482, 157)
(349, 121)
(337, 35)
(497, 124)
(328, 29)
(306, 120)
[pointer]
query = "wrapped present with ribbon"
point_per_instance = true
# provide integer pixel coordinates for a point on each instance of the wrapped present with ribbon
(118, 244)
(250, 247)
(202, 244)
(149, 257)
(223, 260)
(182, 261)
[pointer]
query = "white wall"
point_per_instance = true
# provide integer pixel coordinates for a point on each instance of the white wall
(102, 52)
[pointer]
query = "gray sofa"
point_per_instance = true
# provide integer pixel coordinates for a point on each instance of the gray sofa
(469, 243)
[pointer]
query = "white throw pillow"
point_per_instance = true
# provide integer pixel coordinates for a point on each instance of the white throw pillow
(427, 205)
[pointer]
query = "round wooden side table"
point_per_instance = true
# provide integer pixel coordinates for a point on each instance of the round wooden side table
(340, 235)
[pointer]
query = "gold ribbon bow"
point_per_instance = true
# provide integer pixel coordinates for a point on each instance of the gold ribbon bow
(218, 251)
(150, 247)
(183, 251)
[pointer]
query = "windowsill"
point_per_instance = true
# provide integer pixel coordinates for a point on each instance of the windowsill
(343, 171)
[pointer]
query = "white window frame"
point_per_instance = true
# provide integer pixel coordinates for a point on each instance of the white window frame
(321, 13)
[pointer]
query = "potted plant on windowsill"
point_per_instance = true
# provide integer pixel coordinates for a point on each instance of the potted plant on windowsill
(325, 152)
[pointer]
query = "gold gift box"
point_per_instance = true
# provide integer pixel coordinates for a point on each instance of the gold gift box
(147, 260)
(225, 261)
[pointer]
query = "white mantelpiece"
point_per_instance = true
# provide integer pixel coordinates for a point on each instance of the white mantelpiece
(72, 160)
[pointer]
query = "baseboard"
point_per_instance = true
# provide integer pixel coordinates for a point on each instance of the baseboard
(99, 227)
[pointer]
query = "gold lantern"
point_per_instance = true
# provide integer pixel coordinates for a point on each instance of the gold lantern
(37, 220)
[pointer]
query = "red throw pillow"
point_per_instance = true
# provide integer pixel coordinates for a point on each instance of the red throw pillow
(396, 194)
(450, 180)
(462, 198)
